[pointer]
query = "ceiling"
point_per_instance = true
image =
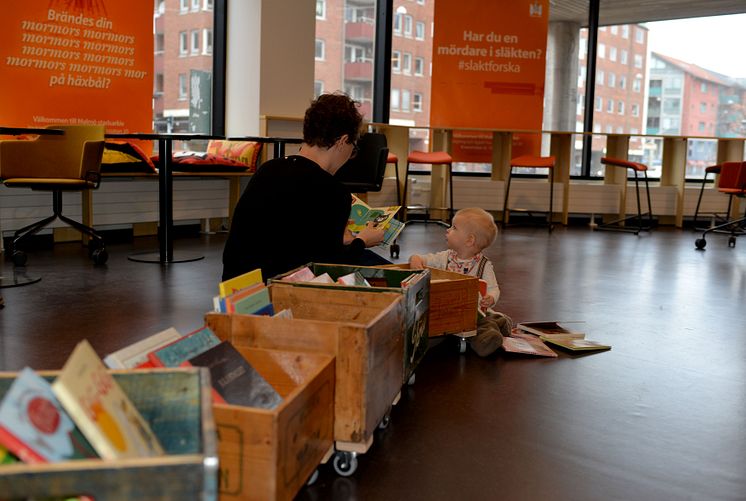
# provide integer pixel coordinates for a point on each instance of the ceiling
(613, 12)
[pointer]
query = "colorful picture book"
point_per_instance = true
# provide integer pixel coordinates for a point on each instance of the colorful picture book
(526, 344)
(577, 344)
(361, 214)
(35, 427)
(234, 378)
(184, 348)
(102, 411)
(235, 284)
(136, 355)
(551, 329)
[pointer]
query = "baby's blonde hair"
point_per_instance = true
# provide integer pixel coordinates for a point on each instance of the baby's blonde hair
(479, 223)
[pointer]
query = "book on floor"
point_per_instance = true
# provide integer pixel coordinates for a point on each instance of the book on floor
(235, 379)
(34, 425)
(551, 329)
(526, 344)
(136, 354)
(577, 344)
(101, 409)
(184, 348)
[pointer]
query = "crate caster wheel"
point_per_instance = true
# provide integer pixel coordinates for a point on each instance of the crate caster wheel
(732, 241)
(394, 250)
(385, 422)
(313, 478)
(462, 345)
(19, 258)
(700, 243)
(345, 463)
(99, 256)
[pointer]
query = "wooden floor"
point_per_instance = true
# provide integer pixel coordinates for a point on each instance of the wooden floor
(662, 416)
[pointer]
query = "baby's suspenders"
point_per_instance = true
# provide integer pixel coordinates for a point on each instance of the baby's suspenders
(480, 268)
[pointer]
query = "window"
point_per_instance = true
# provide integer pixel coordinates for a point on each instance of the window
(395, 61)
(609, 129)
(580, 107)
(419, 66)
(599, 103)
(183, 6)
(394, 100)
(701, 127)
(623, 57)
(622, 82)
(639, 35)
(614, 30)
(620, 107)
(405, 100)
(601, 51)
(158, 84)
(318, 88)
(196, 4)
(703, 107)
(581, 76)
(635, 110)
(408, 26)
(421, 2)
(703, 87)
(612, 54)
(160, 43)
(207, 41)
(419, 30)
(406, 63)
(182, 86)
(596, 127)
(625, 31)
(672, 106)
(320, 50)
(600, 77)
(417, 102)
(638, 61)
(320, 9)
(610, 106)
(209, 5)
(398, 21)
(183, 41)
(637, 85)
(611, 80)
(195, 42)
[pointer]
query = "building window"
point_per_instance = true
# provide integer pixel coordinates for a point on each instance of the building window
(701, 126)
(183, 6)
(639, 35)
(600, 77)
(320, 9)
(611, 80)
(623, 57)
(609, 129)
(610, 106)
(622, 82)
(417, 102)
(160, 43)
(406, 63)
(398, 21)
(601, 51)
(318, 88)
(599, 103)
(419, 66)
(419, 30)
(620, 107)
(703, 107)
(395, 61)
(637, 85)
(320, 50)
(703, 87)
(183, 43)
(638, 61)
(421, 2)
(581, 76)
(596, 127)
(614, 30)
(405, 102)
(408, 26)
(394, 98)
(625, 31)
(207, 41)
(158, 87)
(196, 4)
(209, 5)
(612, 54)
(635, 110)
(195, 42)
(182, 86)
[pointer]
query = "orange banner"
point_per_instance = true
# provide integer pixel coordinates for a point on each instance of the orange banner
(489, 61)
(88, 61)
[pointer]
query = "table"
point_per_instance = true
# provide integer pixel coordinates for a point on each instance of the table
(20, 277)
(278, 142)
(165, 254)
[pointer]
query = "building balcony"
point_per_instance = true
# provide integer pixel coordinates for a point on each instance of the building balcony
(361, 32)
(359, 71)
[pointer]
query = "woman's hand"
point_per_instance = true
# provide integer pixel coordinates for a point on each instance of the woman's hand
(371, 235)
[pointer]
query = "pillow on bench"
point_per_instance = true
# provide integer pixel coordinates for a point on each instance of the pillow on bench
(221, 155)
(123, 156)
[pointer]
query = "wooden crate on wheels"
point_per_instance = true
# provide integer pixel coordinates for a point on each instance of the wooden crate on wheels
(177, 405)
(416, 298)
(454, 300)
(271, 453)
(363, 332)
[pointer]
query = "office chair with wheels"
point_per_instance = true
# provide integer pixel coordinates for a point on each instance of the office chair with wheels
(56, 163)
(732, 182)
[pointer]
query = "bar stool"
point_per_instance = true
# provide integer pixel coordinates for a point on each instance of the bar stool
(617, 225)
(535, 162)
(433, 158)
(712, 169)
(393, 159)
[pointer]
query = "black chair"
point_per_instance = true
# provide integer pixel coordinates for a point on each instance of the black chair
(365, 171)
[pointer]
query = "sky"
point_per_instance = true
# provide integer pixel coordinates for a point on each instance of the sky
(715, 43)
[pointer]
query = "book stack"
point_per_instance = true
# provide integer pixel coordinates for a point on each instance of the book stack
(84, 413)
(245, 294)
(531, 338)
(305, 274)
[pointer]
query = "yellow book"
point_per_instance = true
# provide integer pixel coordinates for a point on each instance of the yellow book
(240, 282)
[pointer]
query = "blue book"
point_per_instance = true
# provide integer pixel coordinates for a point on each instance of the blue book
(184, 348)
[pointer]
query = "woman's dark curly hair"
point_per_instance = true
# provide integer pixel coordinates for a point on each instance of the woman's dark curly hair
(330, 117)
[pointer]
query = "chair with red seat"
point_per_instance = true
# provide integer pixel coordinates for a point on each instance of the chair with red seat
(393, 159)
(712, 169)
(432, 158)
(732, 182)
(536, 162)
(619, 224)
